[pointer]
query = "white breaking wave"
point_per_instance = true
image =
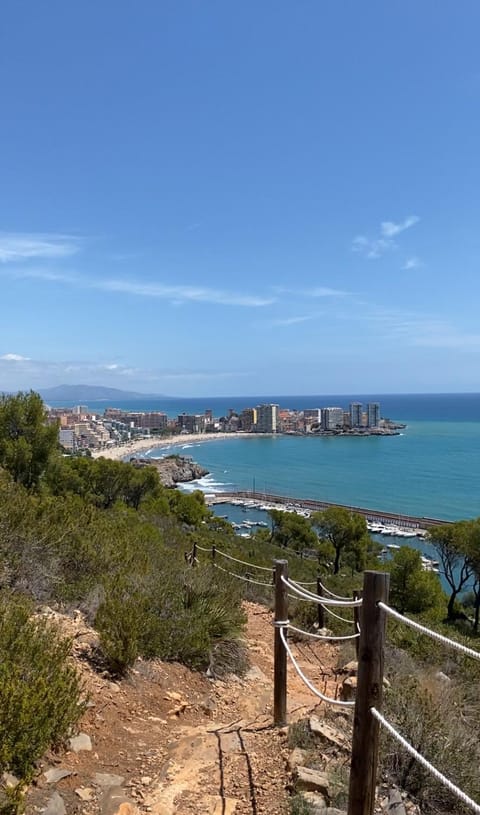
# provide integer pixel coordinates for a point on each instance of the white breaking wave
(206, 484)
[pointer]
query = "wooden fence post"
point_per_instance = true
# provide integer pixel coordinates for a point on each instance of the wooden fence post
(363, 769)
(194, 554)
(280, 654)
(356, 621)
(320, 609)
(214, 551)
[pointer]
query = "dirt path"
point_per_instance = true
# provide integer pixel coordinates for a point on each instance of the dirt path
(176, 742)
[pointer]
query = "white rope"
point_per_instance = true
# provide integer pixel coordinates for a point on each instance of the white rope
(308, 595)
(202, 548)
(322, 636)
(331, 594)
(241, 577)
(244, 562)
(423, 761)
(337, 616)
(307, 681)
(296, 598)
(433, 634)
(302, 583)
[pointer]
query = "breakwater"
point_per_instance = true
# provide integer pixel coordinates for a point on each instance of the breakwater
(373, 515)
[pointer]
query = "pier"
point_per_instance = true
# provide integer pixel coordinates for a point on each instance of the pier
(372, 515)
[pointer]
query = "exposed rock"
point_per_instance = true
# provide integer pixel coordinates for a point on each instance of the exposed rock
(349, 689)
(395, 804)
(173, 469)
(254, 673)
(326, 733)
(80, 742)
(55, 774)
(350, 668)
(312, 781)
(108, 779)
(115, 802)
(442, 677)
(10, 780)
(55, 805)
(84, 793)
(317, 805)
(296, 759)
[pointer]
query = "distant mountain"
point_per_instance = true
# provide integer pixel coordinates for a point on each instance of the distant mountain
(91, 393)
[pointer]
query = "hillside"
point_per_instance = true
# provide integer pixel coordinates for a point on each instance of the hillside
(174, 742)
(95, 393)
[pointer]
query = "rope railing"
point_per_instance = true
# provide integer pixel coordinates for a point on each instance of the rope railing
(324, 601)
(322, 636)
(435, 635)
(329, 593)
(246, 578)
(337, 616)
(424, 762)
(305, 680)
(244, 562)
(371, 638)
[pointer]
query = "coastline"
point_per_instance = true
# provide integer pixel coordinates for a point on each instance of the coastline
(120, 451)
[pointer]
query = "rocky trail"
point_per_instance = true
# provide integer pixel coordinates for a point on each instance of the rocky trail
(168, 741)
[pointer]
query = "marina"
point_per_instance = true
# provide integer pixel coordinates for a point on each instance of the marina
(378, 521)
(397, 533)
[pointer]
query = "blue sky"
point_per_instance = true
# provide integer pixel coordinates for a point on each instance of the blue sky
(209, 198)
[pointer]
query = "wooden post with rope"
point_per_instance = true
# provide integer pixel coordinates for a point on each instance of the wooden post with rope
(280, 654)
(320, 608)
(363, 769)
(356, 621)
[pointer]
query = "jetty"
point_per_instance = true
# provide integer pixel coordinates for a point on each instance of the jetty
(372, 515)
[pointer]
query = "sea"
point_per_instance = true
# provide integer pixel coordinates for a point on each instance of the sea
(431, 469)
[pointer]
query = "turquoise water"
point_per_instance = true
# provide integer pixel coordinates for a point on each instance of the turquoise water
(432, 469)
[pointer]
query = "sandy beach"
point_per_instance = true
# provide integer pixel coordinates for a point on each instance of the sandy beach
(132, 448)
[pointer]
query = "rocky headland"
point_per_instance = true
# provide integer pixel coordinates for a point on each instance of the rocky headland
(173, 470)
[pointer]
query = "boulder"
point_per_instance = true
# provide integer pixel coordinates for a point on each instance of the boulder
(115, 802)
(395, 804)
(55, 805)
(326, 733)
(80, 742)
(307, 780)
(349, 689)
(350, 668)
(296, 759)
(55, 774)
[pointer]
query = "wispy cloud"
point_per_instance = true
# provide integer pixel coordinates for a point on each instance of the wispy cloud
(292, 320)
(43, 373)
(371, 249)
(412, 263)
(390, 228)
(374, 248)
(14, 358)
(408, 328)
(15, 247)
(182, 293)
(175, 293)
(316, 291)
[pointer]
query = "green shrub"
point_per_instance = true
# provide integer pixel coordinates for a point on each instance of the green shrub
(179, 614)
(432, 716)
(119, 622)
(40, 693)
(300, 735)
(299, 806)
